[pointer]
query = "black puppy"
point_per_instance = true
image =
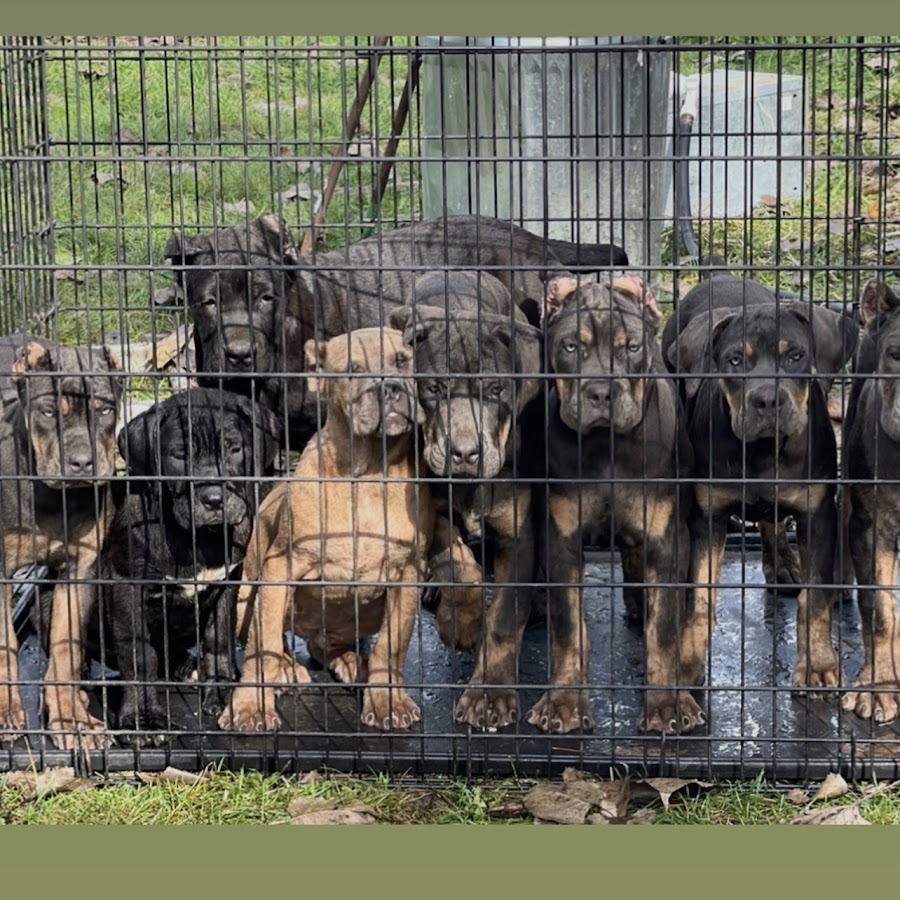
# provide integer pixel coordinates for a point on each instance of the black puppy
(478, 362)
(685, 341)
(255, 303)
(176, 544)
(872, 468)
(764, 449)
(57, 458)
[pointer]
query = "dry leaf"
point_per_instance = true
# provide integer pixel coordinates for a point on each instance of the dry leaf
(609, 797)
(245, 207)
(68, 275)
(172, 776)
(796, 796)
(881, 63)
(891, 245)
(511, 809)
(168, 348)
(552, 804)
(873, 211)
(830, 100)
(300, 191)
(311, 777)
(769, 201)
(833, 786)
(644, 816)
(93, 74)
(101, 178)
(165, 295)
(665, 787)
(343, 816)
(47, 781)
(361, 148)
(831, 815)
(300, 806)
(838, 226)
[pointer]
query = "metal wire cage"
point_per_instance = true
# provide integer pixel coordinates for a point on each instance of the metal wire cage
(121, 156)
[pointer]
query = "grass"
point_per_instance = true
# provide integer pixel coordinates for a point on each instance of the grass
(247, 798)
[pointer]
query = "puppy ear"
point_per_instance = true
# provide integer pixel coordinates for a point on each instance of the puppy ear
(692, 351)
(279, 239)
(114, 364)
(182, 251)
(139, 442)
(640, 292)
(556, 292)
(266, 438)
(32, 357)
(877, 300)
(315, 353)
(415, 321)
(834, 337)
(526, 343)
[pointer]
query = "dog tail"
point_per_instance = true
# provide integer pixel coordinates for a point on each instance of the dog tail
(588, 257)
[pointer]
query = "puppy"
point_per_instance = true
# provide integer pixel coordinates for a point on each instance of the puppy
(173, 555)
(338, 552)
(57, 456)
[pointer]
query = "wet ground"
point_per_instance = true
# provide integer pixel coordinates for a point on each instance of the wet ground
(754, 721)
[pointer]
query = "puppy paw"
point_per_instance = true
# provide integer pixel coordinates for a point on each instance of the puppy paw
(671, 712)
(485, 707)
(12, 714)
(561, 710)
(250, 709)
(388, 708)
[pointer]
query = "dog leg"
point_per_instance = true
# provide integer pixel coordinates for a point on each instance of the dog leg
(632, 577)
(12, 713)
(217, 666)
(461, 606)
(781, 565)
(386, 704)
(252, 706)
(68, 718)
(707, 552)
(875, 562)
(817, 663)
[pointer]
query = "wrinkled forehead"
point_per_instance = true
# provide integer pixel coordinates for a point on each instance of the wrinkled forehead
(765, 329)
(80, 374)
(462, 345)
(375, 349)
(598, 313)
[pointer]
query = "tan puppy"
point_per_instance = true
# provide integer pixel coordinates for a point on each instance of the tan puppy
(346, 539)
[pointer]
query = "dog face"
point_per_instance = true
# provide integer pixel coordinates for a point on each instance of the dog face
(882, 347)
(378, 395)
(71, 399)
(235, 282)
(601, 344)
(762, 358)
(199, 441)
(470, 367)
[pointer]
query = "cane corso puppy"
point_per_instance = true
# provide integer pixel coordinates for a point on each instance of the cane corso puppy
(755, 374)
(478, 364)
(57, 456)
(255, 303)
(172, 560)
(684, 341)
(353, 518)
(872, 470)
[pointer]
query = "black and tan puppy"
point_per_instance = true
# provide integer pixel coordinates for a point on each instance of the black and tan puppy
(764, 449)
(616, 446)
(57, 456)
(684, 344)
(872, 470)
(339, 551)
(174, 551)
(478, 361)
(255, 303)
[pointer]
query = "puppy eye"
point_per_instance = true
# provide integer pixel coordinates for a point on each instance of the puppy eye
(107, 410)
(894, 353)
(209, 301)
(634, 346)
(431, 388)
(795, 355)
(569, 346)
(263, 299)
(496, 390)
(236, 450)
(49, 412)
(736, 360)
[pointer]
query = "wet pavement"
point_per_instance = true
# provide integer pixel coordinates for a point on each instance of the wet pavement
(754, 721)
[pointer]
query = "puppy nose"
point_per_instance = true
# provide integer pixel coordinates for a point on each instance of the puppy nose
(466, 450)
(211, 497)
(391, 390)
(764, 400)
(598, 393)
(80, 464)
(239, 356)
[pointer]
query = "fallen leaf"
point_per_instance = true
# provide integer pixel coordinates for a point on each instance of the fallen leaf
(166, 295)
(172, 775)
(665, 787)
(47, 781)
(68, 275)
(872, 167)
(831, 815)
(244, 207)
(312, 777)
(644, 816)
(168, 348)
(883, 62)
(797, 796)
(597, 819)
(337, 817)
(830, 100)
(873, 211)
(92, 74)
(837, 226)
(101, 178)
(833, 786)
(511, 809)
(361, 148)
(550, 803)
(609, 797)
(891, 245)
(300, 191)
(300, 806)
(769, 201)
(893, 110)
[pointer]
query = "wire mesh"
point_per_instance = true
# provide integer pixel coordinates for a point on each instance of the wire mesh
(506, 502)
